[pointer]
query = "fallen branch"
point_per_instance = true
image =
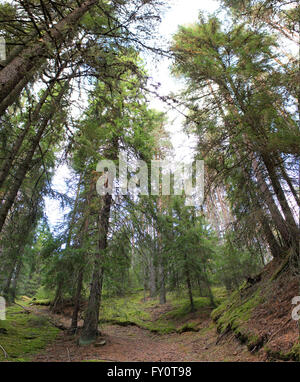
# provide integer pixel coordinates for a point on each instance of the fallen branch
(23, 307)
(68, 354)
(4, 351)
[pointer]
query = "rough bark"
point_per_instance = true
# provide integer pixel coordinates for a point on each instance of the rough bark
(90, 328)
(31, 58)
(6, 165)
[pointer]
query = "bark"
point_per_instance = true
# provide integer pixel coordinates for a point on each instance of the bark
(189, 285)
(58, 299)
(4, 170)
(280, 195)
(152, 276)
(90, 327)
(30, 59)
(268, 198)
(16, 278)
(77, 297)
(275, 248)
(9, 279)
(162, 286)
(290, 184)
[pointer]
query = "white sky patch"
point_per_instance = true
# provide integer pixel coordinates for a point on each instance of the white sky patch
(182, 12)
(52, 206)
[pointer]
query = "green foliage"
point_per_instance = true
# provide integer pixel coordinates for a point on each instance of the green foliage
(234, 265)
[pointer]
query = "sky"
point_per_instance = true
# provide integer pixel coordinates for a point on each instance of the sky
(180, 12)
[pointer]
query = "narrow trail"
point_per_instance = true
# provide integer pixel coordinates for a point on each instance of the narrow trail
(133, 344)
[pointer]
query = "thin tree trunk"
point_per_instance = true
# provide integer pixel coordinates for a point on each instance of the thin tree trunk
(77, 297)
(188, 283)
(152, 276)
(16, 278)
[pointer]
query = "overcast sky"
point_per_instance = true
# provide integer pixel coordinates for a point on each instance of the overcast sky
(180, 12)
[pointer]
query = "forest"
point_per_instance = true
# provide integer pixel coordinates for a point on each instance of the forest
(147, 266)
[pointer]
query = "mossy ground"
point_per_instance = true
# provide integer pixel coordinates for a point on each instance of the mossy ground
(259, 314)
(24, 334)
(135, 310)
(234, 313)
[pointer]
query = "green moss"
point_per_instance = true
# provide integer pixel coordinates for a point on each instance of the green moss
(182, 307)
(235, 311)
(45, 302)
(292, 355)
(26, 334)
(133, 310)
(126, 310)
(189, 327)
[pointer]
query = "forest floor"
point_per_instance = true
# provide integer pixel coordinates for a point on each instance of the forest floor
(252, 324)
(127, 341)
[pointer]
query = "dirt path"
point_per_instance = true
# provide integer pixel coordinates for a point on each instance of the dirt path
(134, 344)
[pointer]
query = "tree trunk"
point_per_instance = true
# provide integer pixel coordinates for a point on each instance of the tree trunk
(4, 170)
(152, 276)
(189, 285)
(31, 58)
(16, 278)
(58, 299)
(77, 296)
(162, 286)
(90, 328)
(76, 299)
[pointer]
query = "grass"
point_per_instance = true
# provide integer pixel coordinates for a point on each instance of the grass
(24, 335)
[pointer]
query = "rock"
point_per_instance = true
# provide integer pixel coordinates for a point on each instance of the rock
(100, 343)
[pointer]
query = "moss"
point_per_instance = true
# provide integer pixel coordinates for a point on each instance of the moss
(235, 311)
(182, 307)
(189, 327)
(133, 310)
(292, 355)
(26, 334)
(45, 302)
